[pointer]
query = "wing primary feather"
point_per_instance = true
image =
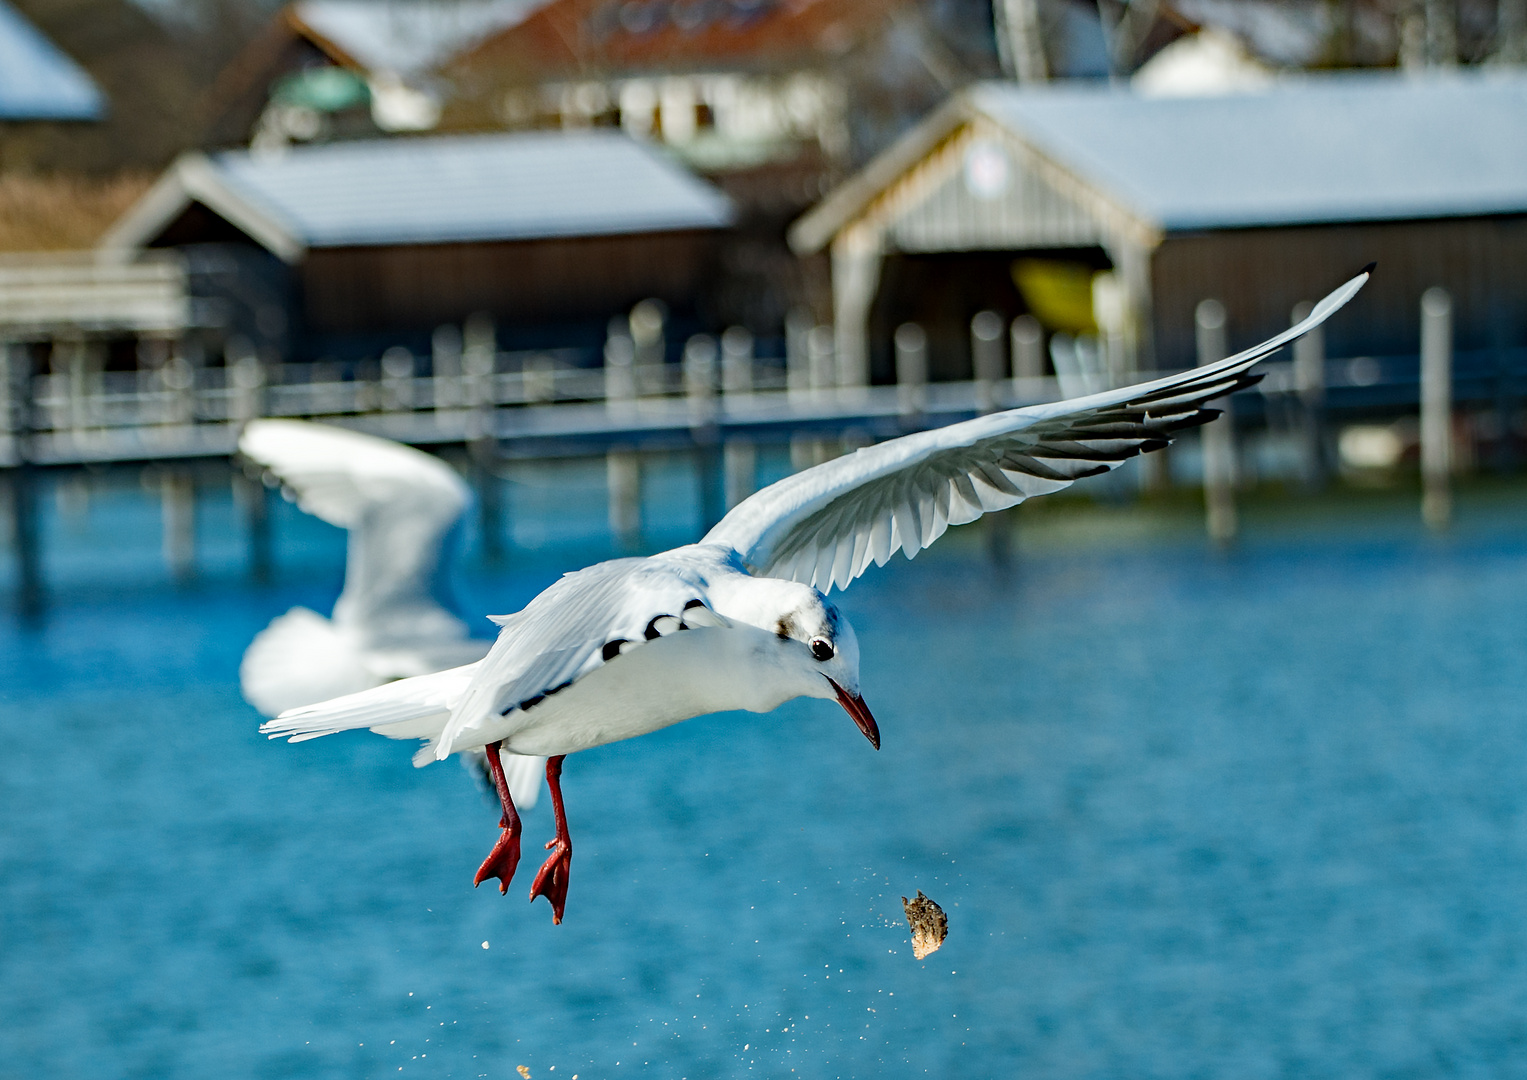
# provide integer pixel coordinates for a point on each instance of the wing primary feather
(826, 523)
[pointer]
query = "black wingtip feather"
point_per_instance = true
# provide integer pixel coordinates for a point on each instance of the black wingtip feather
(1370, 267)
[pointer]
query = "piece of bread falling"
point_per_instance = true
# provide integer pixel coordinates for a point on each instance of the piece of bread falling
(929, 924)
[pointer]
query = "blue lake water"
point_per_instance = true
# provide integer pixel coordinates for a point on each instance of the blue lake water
(1259, 815)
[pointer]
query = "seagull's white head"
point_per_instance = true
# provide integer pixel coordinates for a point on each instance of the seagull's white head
(815, 651)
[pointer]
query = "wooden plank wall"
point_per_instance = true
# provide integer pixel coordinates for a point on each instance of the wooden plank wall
(1259, 274)
(363, 289)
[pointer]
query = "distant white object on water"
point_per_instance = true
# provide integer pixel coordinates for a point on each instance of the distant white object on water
(400, 506)
(740, 620)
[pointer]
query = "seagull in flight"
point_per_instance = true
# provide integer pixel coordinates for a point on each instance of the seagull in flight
(401, 507)
(742, 619)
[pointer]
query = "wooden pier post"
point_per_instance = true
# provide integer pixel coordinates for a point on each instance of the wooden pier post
(623, 473)
(740, 468)
(253, 501)
(739, 465)
(911, 343)
(699, 371)
(988, 365)
(177, 500)
(797, 355)
(445, 366)
(736, 361)
(16, 419)
(1028, 346)
(820, 358)
(247, 376)
(31, 596)
(647, 321)
(490, 497)
(619, 369)
(700, 386)
(1310, 384)
(1436, 407)
(1218, 435)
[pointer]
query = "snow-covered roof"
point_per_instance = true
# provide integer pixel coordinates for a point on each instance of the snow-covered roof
(1307, 150)
(408, 37)
(39, 82)
(444, 189)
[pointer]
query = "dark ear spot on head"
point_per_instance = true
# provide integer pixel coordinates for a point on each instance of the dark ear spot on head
(785, 628)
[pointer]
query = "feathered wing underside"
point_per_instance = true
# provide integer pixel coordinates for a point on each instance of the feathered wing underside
(826, 525)
(583, 621)
(399, 504)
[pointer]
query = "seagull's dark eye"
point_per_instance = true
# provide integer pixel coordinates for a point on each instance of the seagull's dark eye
(821, 648)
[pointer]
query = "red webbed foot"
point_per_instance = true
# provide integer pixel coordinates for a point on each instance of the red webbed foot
(551, 881)
(505, 856)
(501, 861)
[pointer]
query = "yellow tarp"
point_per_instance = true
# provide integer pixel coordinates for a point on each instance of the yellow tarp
(1058, 293)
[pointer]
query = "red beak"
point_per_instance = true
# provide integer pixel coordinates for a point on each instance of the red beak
(854, 705)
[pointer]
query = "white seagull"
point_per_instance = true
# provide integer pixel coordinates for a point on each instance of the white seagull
(740, 620)
(400, 507)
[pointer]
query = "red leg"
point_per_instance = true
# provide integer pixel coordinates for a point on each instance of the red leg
(551, 882)
(505, 855)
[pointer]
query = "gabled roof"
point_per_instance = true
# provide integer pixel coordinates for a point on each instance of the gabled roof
(1320, 149)
(404, 37)
(432, 191)
(39, 82)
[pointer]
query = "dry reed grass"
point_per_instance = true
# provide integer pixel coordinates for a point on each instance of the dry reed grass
(60, 212)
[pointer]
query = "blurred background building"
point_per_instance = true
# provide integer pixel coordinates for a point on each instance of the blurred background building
(332, 181)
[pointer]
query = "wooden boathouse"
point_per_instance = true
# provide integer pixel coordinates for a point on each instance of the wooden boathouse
(1016, 199)
(381, 241)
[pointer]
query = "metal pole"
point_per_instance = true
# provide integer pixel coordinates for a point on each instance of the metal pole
(1310, 384)
(987, 364)
(1436, 406)
(1219, 434)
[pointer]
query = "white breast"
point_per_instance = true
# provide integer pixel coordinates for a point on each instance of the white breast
(674, 678)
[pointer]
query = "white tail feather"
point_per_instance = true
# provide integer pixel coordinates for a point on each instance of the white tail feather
(416, 708)
(524, 776)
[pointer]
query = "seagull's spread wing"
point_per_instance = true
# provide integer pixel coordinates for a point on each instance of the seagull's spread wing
(586, 619)
(398, 504)
(825, 525)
